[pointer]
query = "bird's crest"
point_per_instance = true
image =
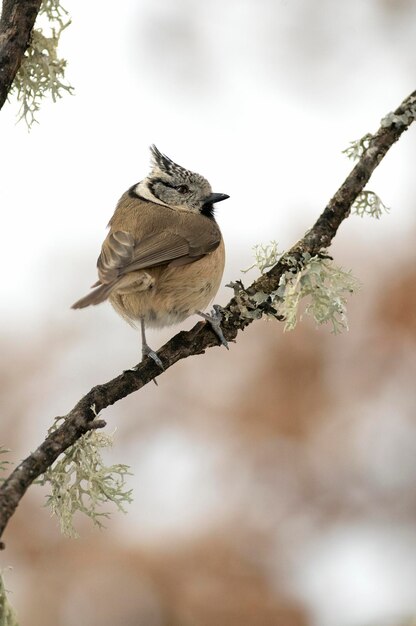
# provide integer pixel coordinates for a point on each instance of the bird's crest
(165, 164)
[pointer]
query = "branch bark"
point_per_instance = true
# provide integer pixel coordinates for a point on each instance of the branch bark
(83, 417)
(16, 24)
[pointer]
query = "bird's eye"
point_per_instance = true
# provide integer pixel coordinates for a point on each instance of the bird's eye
(182, 188)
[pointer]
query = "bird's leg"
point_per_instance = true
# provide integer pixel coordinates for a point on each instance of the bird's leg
(215, 318)
(146, 349)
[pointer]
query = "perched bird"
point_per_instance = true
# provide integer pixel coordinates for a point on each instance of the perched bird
(163, 258)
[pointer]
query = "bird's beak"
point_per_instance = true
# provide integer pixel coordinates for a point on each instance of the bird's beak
(216, 197)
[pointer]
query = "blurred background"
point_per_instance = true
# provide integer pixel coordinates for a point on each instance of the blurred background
(274, 483)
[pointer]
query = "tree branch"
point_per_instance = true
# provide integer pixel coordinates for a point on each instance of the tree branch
(82, 417)
(16, 24)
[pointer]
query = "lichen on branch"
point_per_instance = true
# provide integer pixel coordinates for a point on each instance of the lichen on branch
(42, 72)
(369, 203)
(80, 481)
(315, 282)
(7, 613)
(322, 286)
(357, 147)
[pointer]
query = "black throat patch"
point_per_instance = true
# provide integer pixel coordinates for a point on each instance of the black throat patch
(208, 210)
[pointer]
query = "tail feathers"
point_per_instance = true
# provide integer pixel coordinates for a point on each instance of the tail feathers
(97, 296)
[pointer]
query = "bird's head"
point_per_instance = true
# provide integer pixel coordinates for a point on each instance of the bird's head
(172, 185)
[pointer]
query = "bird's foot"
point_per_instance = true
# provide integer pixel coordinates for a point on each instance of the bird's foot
(215, 318)
(147, 351)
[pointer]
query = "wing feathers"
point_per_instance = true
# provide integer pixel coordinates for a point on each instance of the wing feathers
(159, 249)
(122, 253)
(117, 251)
(97, 296)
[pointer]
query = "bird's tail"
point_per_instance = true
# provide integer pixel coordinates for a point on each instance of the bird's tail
(100, 293)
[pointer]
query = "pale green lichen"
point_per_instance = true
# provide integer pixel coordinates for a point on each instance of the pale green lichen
(357, 148)
(265, 257)
(54, 11)
(404, 119)
(369, 203)
(80, 481)
(249, 307)
(324, 286)
(42, 72)
(317, 281)
(7, 614)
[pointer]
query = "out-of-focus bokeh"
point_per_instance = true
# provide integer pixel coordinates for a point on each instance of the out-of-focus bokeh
(274, 483)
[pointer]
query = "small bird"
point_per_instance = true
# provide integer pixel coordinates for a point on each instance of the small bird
(164, 255)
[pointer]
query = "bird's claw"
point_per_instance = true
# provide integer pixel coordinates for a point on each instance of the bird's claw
(147, 351)
(214, 319)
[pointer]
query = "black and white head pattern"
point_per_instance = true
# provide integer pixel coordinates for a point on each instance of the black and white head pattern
(173, 185)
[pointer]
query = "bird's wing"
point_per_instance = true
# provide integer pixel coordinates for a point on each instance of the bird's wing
(117, 252)
(121, 253)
